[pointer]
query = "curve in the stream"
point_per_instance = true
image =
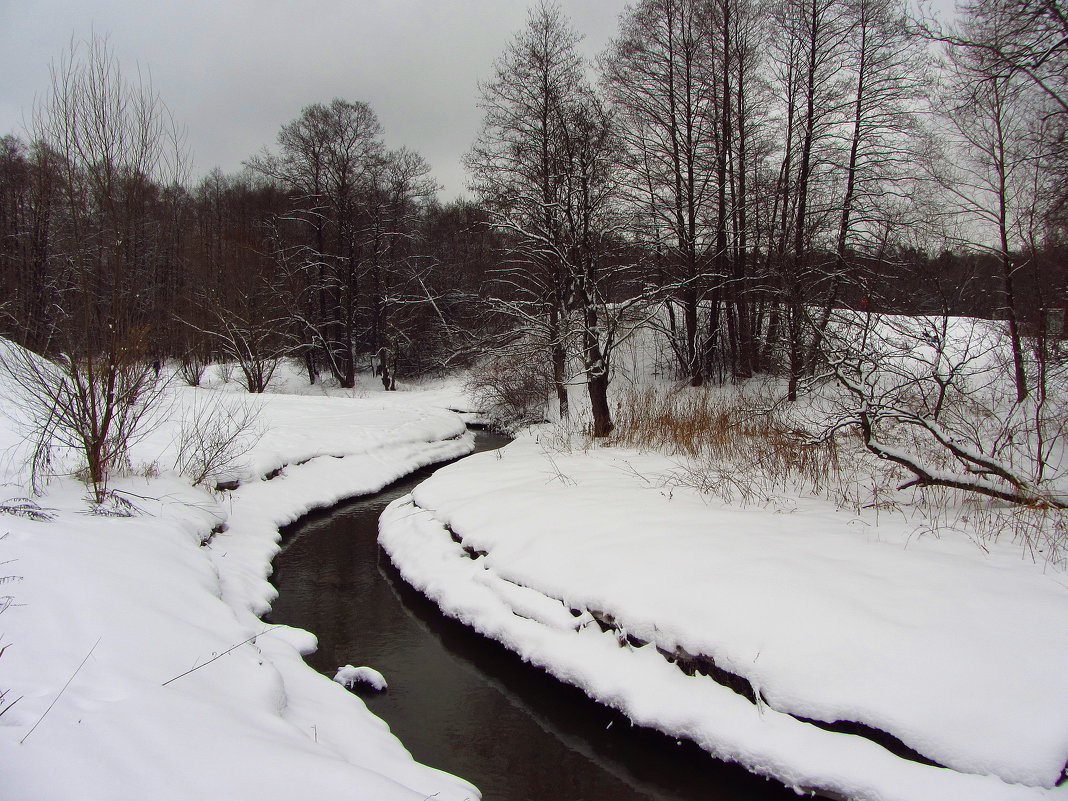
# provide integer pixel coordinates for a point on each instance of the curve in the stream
(463, 703)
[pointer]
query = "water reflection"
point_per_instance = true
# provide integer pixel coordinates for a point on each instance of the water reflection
(464, 704)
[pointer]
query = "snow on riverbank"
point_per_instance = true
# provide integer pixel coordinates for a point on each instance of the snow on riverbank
(958, 653)
(143, 603)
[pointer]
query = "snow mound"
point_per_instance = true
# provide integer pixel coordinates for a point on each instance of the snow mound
(351, 676)
(827, 616)
(135, 642)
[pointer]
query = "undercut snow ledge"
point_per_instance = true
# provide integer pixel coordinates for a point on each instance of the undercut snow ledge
(527, 539)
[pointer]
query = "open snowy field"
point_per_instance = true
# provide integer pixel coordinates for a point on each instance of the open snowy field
(592, 565)
(135, 658)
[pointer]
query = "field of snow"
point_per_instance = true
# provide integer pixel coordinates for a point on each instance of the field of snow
(135, 656)
(136, 664)
(958, 652)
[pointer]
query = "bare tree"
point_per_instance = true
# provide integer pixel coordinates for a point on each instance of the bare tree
(660, 75)
(604, 296)
(810, 47)
(545, 166)
(114, 145)
(1024, 40)
(515, 173)
(990, 167)
(396, 265)
(326, 160)
(28, 272)
(881, 146)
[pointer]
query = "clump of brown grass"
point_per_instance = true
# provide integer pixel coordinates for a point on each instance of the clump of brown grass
(738, 444)
(732, 445)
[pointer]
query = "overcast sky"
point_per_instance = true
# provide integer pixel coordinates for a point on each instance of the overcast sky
(233, 71)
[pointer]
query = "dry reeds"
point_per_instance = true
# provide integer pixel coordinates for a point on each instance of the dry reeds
(736, 444)
(732, 447)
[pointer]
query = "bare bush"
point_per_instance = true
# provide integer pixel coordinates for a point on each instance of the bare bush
(252, 334)
(216, 433)
(191, 367)
(96, 406)
(512, 390)
(226, 372)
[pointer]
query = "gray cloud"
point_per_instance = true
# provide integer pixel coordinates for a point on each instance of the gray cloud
(233, 71)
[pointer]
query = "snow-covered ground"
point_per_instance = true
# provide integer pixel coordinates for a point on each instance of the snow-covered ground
(139, 666)
(135, 656)
(958, 651)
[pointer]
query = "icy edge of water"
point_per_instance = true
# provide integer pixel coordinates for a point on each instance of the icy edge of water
(655, 693)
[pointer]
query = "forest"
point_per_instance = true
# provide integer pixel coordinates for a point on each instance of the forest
(727, 171)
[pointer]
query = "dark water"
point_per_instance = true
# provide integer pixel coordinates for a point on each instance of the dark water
(464, 704)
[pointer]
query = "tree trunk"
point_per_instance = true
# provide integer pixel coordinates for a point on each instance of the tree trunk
(597, 385)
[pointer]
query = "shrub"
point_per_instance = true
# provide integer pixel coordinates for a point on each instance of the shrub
(513, 390)
(216, 433)
(191, 367)
(96, 404)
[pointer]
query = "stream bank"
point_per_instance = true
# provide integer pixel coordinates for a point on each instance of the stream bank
(463, 703)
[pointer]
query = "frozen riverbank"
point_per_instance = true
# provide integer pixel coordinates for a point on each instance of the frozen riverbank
(143, 603)
(824, 615)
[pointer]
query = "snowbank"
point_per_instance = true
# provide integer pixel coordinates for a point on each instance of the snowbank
(351, 676)
(184, 693)
(958, 653)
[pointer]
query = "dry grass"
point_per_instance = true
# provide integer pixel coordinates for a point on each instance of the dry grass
(735, 443)
(731, 446)
(1041, 532)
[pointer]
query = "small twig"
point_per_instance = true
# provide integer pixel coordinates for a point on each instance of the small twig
(220, 656)
(135, 495)
(65, 686)
(6, 708)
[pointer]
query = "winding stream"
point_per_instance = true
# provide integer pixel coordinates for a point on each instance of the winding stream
(461, 702)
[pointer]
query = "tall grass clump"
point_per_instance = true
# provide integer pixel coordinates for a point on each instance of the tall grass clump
(731, 444)
(738, 444)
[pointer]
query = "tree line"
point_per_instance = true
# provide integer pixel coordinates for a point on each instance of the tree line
(771, 163)
(330, 249)
(729, 172)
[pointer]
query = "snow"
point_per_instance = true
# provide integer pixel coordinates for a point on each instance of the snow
(184, 692)
(351, 676)
(958, 652)
(142, 669)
